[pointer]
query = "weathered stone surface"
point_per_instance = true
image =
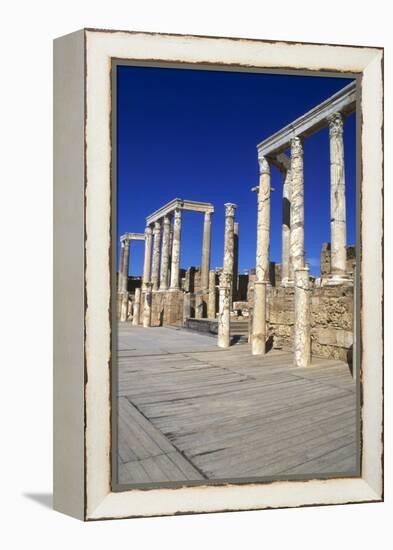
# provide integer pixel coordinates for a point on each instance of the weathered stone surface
(224, 331)
(325, 265)
(263, 222)
(337, 196)
(259, 328)
(166, 243)
(297, 205)
(175, 267)
(125, 266)
(147, 304)
(302, 332)
(286, 227)
(212, 299)
(137, 307)
(206, 244)
(155, 275)
(147, 256)
(124, 307)
(199, 303)
(331, 318)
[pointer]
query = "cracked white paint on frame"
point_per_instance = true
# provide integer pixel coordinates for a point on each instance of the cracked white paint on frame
(101, 47)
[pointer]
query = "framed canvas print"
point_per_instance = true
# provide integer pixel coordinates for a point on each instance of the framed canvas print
(218, 274)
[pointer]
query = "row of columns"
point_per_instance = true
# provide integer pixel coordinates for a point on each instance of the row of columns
(162, 258)
(162, 253)
(294, 270)
(293, 207)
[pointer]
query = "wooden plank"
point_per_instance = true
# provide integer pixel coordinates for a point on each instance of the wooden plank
(231, 414)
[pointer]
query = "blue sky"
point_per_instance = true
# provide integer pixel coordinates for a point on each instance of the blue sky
(193, 134)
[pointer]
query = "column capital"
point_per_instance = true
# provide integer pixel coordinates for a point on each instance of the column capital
(157, 227)
(230, 209)
(177, 213)
(264, 166)
(336, 124)
(148, 230)
(167, 219)
(296, 146)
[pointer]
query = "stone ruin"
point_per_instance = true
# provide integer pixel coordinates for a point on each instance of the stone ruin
(275, 304)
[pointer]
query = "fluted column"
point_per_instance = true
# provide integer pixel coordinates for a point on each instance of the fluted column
(156, 255)
(258, 340)
(125, 266)
(286, 228)
(147, 257)
(297, 205)
(211, 305)
(302, 326)
(206, 244)
(137, 307)
(175, 267)
(224, 329)
(166, 243)
(338, 228)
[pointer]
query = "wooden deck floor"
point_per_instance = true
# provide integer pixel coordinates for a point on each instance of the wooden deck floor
(190, 411)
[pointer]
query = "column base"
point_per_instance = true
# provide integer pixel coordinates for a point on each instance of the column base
(335, 279)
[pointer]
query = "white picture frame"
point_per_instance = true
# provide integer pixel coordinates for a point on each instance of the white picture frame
(82, 251)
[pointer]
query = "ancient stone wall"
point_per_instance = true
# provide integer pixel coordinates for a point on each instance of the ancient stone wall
(331, 320)
(326, 259)
(167, 308)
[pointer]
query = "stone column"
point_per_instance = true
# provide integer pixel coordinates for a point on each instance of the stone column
(121, 268)
(259, 333)
(156, 255)
(124, 306)
(355, 324)
(186, 306)
(258, 340)
(211, 306)
(147, 257)
(205, 265)
(302, 324)
(147, 303)
(286, 228)
(137, 307)
(175, 268)
(229, 237)
(125, 266)
(338, 228)
(224, 328)
(199, 305)
(235, 261)
(166, 243)
(297, 205)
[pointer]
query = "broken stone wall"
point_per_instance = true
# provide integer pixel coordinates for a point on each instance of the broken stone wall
(331, 320)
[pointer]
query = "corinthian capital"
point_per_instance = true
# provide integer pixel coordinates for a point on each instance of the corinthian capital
(296, 147)
(264, 167)
(230, 209)
(148, 231)
(336, 123)
(177, 214)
